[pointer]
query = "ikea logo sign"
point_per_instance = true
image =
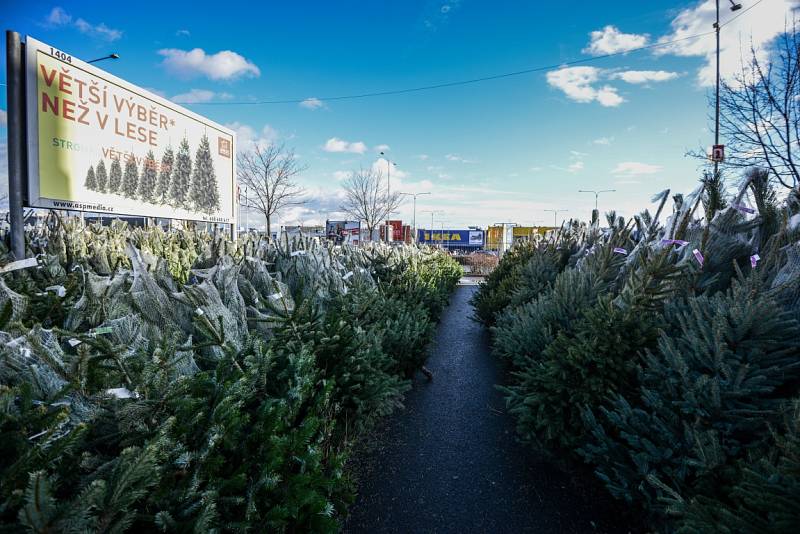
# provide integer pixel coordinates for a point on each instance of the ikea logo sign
(439, 236)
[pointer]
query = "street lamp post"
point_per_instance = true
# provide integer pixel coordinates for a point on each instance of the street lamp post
(433, 212)
(388, 174)
(414, 220)
(734, 7)
(596, 193)
(555, 216)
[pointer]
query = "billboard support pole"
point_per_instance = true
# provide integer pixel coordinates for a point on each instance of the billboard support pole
(16, 144)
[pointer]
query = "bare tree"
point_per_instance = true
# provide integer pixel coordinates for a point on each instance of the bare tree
(760, 111)
(367, 198)
(269, 175)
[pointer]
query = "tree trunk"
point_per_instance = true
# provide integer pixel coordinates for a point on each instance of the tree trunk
(269, 227)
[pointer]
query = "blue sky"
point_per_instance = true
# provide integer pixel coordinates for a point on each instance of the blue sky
(501, 150)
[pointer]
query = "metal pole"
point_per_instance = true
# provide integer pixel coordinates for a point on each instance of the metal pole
(414, 220)
(716, 114)
(16, 145)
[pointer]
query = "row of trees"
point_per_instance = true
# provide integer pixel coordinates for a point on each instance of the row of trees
(268, 174)
(175, 181)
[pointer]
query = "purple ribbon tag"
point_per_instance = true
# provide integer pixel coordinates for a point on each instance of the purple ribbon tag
(754, 260)
(679, 242)
(622, 251)
(698, 256)
(744, 209)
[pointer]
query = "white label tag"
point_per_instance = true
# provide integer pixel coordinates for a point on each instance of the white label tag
(276, 296)
(199, 311)
(298, 253)
(347, 275)
(19, 264)
(74, 342)
(61, 291)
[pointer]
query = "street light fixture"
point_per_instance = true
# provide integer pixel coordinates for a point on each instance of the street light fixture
(555, 216)
(388, 173)
(596, 193)
(433, 212)
(110, 56)
(734, 7)
(414, 222)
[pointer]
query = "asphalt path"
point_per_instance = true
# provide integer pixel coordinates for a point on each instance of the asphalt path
(450, 461)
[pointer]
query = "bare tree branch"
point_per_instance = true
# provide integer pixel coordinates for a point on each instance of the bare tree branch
(268, 174)
(367, 200)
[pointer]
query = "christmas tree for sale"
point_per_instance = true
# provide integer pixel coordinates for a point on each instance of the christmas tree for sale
(204, 194)
(115, 179)
(91, 182)
(130, 180)
(181, 176)
(147, 181)
(101, 176)
(162, 186)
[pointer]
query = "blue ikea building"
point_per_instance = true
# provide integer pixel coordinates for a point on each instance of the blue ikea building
(463, 240)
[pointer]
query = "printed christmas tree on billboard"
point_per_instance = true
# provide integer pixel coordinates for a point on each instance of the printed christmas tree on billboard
(204, 193)
(130, 180)
(181, 176)
(162, 186)
(147, 181)
(101, 176)
(115, 180)
(91, 183)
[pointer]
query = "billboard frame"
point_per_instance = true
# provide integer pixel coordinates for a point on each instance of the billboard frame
(24, 177)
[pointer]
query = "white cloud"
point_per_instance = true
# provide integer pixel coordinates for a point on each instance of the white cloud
(577, 84)
(382, 148)
(574, 154)
(197, 96)
(341, 175)
(334, 144)
(224, 65)
(423, 157)
(610, 40)
(575, 167)
(535, 169)
(3, 117)
(58, 17)
(634, 168)
(247, 136)
(382, 165)
(183, 33)
(312, 103)
(759, 27)
(603, 141)
(645, 76)
(456, 157)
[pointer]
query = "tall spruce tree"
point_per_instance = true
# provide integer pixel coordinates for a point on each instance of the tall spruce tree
(130, 180)
(91, 182)
(101, 176)
(204, 193)
(147, 181)
(162, 187)
(115, 179)
(181, 176)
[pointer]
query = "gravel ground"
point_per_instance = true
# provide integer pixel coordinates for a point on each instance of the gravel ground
(450, 461)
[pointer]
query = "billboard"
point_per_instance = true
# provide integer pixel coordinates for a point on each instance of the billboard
(98, 143)
(460, 238)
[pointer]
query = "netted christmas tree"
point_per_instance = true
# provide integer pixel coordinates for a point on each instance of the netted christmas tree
(204, 192)
(148, 178)
(115, 178)
(130, 180)
(101, 176)
(91, 181)
(164, 175)
(181, 176)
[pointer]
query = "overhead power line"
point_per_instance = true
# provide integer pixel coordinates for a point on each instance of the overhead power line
(477, 80)
(456, 83)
